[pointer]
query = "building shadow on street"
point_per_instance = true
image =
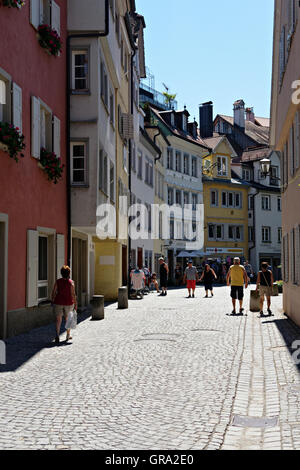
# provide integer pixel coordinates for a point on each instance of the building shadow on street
(290, 333)
(22, 348)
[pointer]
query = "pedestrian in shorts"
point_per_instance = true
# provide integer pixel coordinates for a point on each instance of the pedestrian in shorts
(191, 277)
(265, 281)
(237, 277)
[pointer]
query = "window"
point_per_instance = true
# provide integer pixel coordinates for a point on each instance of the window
(266, 203)
(4, 101)
(78, 163)
(140, 165)
(224, 199)
(219, 231)
(186, 161)
(246, 175)
(170, 196)
(178, 162)
(103, 169)
(112, 181)
(112, 108)
(251, 234)
(211, 231)
(230, 200)
(186, 198)
(172, 120)
(45, 129)
(125, 158)
(80, 70)
(133, 157)
(117, 26)
(170, 159)
(274, 179)
(45, 12)
(279, 235)
(184, 123)
(194, 201)
(194, 167)
(279, 206)
(43, 268)
(250, 203)
(104, 84)
(214, 198)
(266, 234)
(237, 200)
(222, 166)
(178, 198)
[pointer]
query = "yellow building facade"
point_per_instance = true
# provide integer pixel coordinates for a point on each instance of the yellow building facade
(225, 204)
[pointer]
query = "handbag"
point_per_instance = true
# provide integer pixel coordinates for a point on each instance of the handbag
(272, 294)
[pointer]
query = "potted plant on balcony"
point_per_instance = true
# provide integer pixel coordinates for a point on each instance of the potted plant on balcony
(51, 165)
(11, 141)
(12, 3)
(49, 39)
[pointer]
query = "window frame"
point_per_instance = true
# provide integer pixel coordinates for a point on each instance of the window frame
(79, 51)
(83, 142)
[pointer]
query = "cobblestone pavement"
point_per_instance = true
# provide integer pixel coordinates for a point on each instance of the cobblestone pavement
(169, 373)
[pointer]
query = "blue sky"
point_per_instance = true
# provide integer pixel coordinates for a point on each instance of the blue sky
(206, 50)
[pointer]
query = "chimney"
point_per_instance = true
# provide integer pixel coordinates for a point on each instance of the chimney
(239, 113)
(206, 120)
(250, 116)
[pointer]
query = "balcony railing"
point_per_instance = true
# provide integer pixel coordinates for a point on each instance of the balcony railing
(150, 95)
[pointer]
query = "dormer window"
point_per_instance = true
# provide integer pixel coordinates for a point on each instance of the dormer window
(172, 120)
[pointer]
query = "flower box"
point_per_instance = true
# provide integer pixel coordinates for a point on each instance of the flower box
(12, 3)
(51, 165)
(49, 39)
(11, 141)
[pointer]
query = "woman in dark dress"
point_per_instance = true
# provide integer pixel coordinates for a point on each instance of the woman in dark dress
(163, 274)
(208, 276)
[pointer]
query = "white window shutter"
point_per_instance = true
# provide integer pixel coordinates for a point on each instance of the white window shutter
(17, 106)
(35, 13)
(35, 127)
(56, 136)
(55, 17)
(60, 253)
(32, 268)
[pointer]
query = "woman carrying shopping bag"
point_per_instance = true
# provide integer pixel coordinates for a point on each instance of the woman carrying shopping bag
(64, 300)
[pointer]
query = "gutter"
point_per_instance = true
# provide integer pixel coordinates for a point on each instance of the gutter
(68, 130)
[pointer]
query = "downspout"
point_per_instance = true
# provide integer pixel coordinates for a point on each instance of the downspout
(68, 130)
(129, 166)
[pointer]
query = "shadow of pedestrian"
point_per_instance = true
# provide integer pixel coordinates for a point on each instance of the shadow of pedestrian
(22, 348)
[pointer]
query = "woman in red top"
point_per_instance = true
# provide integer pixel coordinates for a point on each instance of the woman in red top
(64, 299)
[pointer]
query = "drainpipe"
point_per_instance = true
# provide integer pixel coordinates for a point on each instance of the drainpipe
(129, 165)
(254, 224)
(74, 36)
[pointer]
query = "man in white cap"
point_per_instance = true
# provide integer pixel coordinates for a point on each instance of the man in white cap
(237, 276)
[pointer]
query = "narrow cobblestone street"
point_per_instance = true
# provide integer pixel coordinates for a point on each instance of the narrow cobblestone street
(169, 373)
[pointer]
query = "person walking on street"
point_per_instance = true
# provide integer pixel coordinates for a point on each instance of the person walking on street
(237, 276)
(208, 276)
(265, 281)
(249, 271)
(164, 271)
(64, 299)
(191, 277)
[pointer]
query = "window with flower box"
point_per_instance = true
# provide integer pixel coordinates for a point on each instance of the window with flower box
(45, 12)
(45, 129)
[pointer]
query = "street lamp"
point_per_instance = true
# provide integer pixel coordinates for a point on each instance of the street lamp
(265, 167)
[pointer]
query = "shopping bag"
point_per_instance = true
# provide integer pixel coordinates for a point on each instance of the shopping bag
(71, 322)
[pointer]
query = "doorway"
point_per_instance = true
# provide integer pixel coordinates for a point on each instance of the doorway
(79, 269)
(140, 258)
(3, 274)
